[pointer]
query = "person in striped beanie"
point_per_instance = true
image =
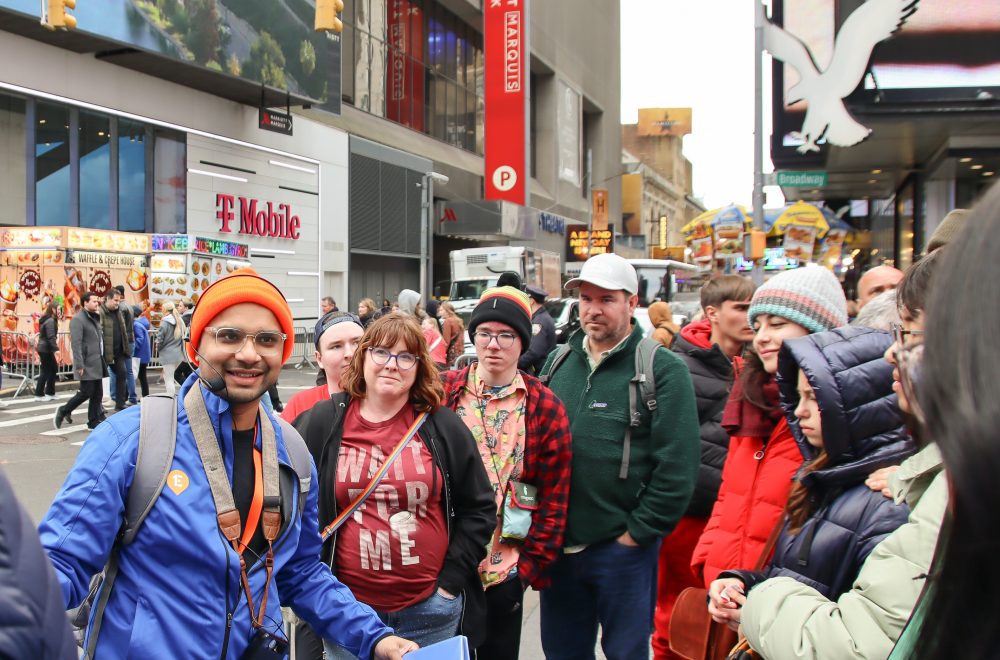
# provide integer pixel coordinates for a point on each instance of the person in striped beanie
(810, 296)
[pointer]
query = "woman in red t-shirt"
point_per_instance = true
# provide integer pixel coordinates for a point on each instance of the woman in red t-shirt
(336, 341)
(412, 550)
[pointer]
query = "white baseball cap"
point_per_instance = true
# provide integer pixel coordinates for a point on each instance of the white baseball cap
(608, 271)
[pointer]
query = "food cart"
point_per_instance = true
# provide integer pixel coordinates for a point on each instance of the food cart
(184, 265)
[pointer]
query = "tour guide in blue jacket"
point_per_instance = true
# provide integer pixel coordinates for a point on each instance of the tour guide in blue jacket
(178, 593)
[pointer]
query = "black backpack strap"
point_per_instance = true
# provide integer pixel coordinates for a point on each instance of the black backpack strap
(152, 464)
(562, 352)
(298, 454)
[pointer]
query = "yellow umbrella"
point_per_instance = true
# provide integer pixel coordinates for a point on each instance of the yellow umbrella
(709, 219)
(799, 214)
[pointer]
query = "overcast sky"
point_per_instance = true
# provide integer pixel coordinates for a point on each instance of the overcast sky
(678, 53)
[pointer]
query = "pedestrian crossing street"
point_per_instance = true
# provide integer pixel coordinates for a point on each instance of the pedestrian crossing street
(25, 416)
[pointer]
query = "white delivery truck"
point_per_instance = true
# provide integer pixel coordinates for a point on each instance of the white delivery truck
(474, 270)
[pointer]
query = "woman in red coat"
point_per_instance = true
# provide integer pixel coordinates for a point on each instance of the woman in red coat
(763, 455)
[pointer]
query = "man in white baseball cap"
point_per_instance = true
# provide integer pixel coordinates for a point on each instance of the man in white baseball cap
(630, 483)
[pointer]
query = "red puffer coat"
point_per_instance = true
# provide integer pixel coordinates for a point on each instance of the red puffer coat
(756, 480)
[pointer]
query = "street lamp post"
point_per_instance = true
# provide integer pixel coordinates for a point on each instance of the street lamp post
(758, 129)
(426, 251)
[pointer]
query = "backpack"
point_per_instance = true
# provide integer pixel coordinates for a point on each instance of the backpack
(152, 464)
(642, 387)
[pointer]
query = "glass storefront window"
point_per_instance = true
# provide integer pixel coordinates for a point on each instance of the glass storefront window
(52, 165)
(13, 183)
(169, 183)
(95, 171)
(131, 176)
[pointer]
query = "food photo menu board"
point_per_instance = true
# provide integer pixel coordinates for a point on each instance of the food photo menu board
(182, 266)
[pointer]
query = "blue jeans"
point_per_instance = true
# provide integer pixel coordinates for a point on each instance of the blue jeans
(129, 381)
(432, 620)
(608, 584)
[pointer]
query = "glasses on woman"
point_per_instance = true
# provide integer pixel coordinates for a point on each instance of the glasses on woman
(267, 343)
(909, 352)
(404, 361)
(483, 339)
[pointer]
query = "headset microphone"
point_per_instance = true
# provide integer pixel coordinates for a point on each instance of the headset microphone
(216, 384)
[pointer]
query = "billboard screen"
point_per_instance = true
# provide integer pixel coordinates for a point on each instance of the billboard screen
(947, 51)
(260, 40)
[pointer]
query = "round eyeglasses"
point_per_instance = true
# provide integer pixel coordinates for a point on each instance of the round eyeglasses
(266, 343)
(404, 361)
(483, 339)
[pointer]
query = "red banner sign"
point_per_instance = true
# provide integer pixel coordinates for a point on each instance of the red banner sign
(505, 46)
(405, 82)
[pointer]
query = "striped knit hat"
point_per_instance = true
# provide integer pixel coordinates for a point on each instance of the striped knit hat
(810, 296)
(506, 305)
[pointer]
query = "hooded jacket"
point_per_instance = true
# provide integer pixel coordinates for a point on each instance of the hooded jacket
(862, 432)
(712, 376)
(143, 350)
(178, 592)
(783, 618)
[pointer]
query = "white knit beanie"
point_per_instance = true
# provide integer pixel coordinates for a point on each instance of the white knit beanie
(810, 296)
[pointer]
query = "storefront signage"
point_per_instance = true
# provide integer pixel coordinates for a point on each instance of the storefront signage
(222, 248)
(599, 208)
(505, 51)
(551, 223)
(32, 238)
(171, 243)
(90, 239)
(30, 283)
(276, 122)
(579, 246)
(256, 219)
(107, 259)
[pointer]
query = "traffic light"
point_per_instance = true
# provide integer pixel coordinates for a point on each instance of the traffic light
(58, 17)
(326, 15)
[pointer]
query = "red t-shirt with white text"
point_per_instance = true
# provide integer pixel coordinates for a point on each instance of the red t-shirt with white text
(391, 550)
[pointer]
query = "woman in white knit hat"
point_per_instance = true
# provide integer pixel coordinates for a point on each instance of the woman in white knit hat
(763, 455)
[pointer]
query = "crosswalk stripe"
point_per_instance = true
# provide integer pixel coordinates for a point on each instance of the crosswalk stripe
(24, 420)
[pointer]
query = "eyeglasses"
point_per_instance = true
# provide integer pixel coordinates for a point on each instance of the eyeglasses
(267, 343)
(404, 361)
(504, 339)
(900, 336)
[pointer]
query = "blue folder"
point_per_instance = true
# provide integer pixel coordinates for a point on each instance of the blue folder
(456, 648)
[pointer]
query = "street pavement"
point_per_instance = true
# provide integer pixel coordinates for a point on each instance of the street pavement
(37, 458)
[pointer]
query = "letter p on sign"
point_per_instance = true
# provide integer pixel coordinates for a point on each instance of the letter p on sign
(504, 178)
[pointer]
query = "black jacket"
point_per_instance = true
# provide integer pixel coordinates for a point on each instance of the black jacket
(712, 376)
(48, 334)
(33, 621)
(470, 510)
(862, 431)
(543, 340)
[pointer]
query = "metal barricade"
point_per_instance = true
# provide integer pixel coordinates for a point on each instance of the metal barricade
(305, 346)
(20, 358)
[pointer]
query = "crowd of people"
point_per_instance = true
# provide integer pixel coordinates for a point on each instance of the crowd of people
(773, 477)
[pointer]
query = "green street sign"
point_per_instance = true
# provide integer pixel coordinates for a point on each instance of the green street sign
(816, 179)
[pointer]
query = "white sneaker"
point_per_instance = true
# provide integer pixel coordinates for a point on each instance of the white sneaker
(3, 404)
(48, 397)
(39, 398)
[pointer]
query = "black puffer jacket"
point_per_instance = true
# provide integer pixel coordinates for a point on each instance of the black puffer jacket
(712, 376)
(862, 431)
(33, 621)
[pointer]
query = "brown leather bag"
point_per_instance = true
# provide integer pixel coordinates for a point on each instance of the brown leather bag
(693, 634)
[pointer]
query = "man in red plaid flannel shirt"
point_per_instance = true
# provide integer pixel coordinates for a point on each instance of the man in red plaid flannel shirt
(522, 432)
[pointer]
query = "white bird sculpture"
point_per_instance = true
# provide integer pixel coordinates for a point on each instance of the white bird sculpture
(872, 22)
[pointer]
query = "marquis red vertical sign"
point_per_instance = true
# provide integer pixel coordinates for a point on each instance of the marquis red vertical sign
(505, 46)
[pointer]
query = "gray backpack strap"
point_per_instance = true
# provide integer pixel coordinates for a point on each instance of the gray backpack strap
(642, 388)
(562, 352)
(152, 464)
(298, 454)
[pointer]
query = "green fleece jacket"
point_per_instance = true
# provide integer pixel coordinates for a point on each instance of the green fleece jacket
(665, 449)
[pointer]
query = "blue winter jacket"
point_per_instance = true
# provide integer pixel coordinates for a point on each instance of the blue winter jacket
(179, 580)
(142, 350)
(862, 431)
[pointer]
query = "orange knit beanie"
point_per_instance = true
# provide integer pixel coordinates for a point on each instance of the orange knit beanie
(241, 286)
